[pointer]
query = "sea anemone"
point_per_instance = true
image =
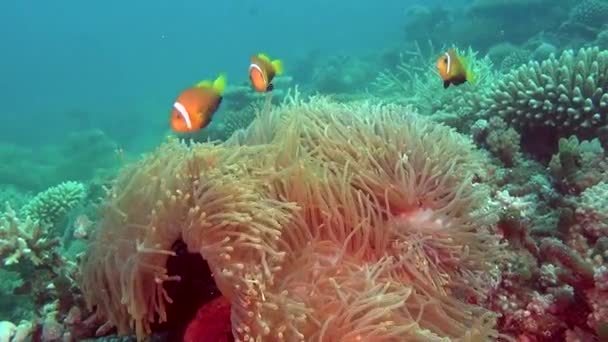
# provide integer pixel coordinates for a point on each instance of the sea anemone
(322, 221)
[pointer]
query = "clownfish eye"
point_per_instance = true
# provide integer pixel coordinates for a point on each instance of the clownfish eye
(445, 60)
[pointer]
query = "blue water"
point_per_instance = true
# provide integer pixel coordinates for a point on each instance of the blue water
(71, 64)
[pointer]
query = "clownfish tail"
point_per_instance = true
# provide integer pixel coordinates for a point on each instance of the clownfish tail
(467, 63)
(219, 85)
(277, 65)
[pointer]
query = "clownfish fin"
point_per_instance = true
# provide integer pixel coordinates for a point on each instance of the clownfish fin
(219, 85)
(470, 75)
(204, 84)
(263, 57)
(467, 65)
(270, 87)
(277, 65)
(446, 84)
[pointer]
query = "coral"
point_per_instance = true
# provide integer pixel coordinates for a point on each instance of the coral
(11, 194)
(555, 286)
(456, 106)
(487, 21)
(578, 166)
(592, 211)
(32, 254)
(27, 239)
(501, 6)
(556, 98)
(50, 206)
(422, 87)
(7, 330)
(502, 141)
(342, 74)
(587, 16)
(498, 52)
(397, 79)
(601, 40)
(322, 221)
(544, 51)
(515, 59)
(434, 20)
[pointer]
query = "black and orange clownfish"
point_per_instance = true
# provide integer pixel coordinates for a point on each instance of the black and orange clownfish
(454, 68)
(262, 70)
(195, 106)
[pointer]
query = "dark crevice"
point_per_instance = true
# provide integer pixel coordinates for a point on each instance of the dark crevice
(195, 288)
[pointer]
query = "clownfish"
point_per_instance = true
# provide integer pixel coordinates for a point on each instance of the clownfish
(453, 69)
(195, 106)
(262, 70)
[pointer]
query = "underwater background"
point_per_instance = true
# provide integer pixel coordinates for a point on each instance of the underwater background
(373, 195)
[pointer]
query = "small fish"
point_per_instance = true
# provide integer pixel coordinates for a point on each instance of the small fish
(262, 70)
(453, 68)
(195, 106)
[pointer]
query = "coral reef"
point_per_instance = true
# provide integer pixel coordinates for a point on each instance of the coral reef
(381, 208)
(41, 273)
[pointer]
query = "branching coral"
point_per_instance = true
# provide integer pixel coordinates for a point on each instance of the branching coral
(50, 206)
(422, 87)
(322, 221)
(555, 98)
(26, 239)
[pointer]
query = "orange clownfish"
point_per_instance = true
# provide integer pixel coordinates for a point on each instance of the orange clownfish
(262, 70)
(195, 106)
(453, 68)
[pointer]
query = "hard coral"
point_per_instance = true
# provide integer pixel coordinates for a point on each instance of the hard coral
(50, 206)
(556, 98)
(322, 221)
(578, 165)
(25, 238)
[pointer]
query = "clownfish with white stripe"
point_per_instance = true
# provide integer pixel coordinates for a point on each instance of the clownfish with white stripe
(262, 70)
(454, 68)
(195, 106)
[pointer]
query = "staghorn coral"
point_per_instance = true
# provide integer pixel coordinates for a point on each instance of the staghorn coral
(322, 221)
(555, 98)
(422, 87)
